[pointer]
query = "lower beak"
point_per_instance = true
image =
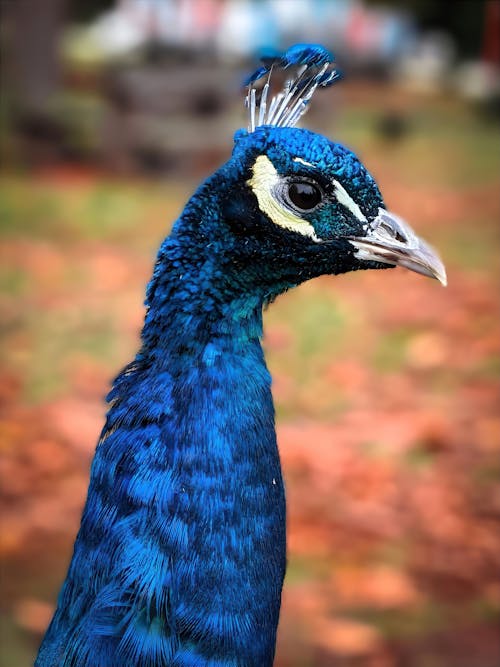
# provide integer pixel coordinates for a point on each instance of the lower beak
(390, 240)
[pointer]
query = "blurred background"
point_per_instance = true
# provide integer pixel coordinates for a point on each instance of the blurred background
(386, 387)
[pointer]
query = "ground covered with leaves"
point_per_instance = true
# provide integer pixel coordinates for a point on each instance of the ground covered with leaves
(386, 389)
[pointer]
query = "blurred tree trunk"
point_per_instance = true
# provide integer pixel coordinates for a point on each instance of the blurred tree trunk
(34, 68)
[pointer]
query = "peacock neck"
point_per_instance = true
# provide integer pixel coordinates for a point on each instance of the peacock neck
(197, 403)
(181, 550)
(197, 302)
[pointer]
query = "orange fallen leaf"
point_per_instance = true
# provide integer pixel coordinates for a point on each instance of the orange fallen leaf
(345, 637)
(33, 615)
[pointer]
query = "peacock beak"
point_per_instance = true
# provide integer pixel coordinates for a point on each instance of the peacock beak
(390, 240)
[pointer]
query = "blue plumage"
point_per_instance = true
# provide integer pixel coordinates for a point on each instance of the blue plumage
(181, 553)
(308, 55)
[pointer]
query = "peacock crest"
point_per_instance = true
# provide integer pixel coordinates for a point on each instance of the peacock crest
(306, 68)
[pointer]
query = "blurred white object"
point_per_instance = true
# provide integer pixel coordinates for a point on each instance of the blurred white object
(114, 33)
(477, 80)
(239, 28)
(429, 64)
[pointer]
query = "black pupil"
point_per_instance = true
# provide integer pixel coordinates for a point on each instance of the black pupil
(304, 195)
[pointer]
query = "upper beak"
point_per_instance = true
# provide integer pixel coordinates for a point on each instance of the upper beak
(390, 240)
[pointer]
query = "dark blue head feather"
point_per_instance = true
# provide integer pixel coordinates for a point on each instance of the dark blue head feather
(310, 55)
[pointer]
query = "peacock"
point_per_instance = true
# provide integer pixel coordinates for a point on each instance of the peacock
(181, 553)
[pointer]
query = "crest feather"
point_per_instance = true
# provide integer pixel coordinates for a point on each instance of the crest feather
(307, 66)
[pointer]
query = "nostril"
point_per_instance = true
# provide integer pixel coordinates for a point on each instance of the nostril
(394, 231)
(390, 227)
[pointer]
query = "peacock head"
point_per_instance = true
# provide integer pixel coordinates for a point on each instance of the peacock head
(312, 198)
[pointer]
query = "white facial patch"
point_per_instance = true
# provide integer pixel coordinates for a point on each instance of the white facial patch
(346, 200)
(264, 179)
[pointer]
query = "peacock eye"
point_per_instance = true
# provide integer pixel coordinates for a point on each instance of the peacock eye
(303, 195)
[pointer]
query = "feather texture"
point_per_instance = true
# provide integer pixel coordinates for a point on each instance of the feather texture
(308, 66)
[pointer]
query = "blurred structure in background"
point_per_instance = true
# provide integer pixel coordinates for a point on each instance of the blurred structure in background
(147, 85)
(387, 399)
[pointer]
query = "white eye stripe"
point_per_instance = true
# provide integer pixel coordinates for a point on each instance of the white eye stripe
(301, 161)
(346, 200)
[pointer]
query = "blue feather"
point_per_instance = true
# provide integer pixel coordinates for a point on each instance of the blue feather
(311, 55)
(306, 54)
